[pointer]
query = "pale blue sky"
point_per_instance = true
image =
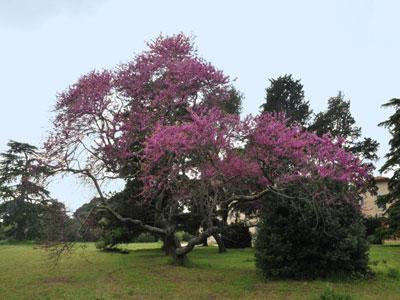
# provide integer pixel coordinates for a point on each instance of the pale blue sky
(45, 45)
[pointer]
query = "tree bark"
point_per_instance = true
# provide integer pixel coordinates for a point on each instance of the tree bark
(20, 232)
(171, 243)
(220, 243)
(205, 243)
(179, 259)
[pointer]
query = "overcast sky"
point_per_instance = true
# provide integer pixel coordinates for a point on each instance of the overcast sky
(352, 46)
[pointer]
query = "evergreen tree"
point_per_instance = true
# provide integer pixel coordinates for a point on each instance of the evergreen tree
(22, 194)
(338, 122)
(233, 104)
(296, 234)
(286, 94)
(392, 199)
(300, 237)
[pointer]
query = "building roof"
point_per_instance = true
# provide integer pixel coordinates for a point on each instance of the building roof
(381, 178)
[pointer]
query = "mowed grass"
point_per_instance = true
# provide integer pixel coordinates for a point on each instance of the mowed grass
(26, 272)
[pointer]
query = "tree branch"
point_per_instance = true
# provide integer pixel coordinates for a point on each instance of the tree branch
(133, 221)
(197, 241)
(108, 208)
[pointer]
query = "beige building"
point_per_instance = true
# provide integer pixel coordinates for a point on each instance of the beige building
(369, 207)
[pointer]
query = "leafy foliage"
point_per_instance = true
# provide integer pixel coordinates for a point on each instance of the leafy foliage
(112, 237)
(300, 238)
(146, 237)
(375, 230)
(23, 196)
(337, 121)
(286, 94)
(184, 236)
(393, 214)
(391, 201)
(236, 235)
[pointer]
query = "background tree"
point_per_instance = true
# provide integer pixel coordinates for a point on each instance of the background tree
(338, 121)
(286, 94)
(22, 191)
(21, 220)
(329, 233)
(56, 225)
(391, 201)
(86, 218)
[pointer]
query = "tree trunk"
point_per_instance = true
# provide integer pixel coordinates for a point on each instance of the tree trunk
(180, 253)
(179, 260)
(171, 242)
(221, 245)
(20, 232)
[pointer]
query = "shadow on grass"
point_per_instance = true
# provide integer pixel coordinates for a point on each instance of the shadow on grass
(17, 243)
(116, 250)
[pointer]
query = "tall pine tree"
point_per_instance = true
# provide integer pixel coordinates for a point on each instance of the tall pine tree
(22, 194)
(286, 94)
(338, 121)
(392, 200)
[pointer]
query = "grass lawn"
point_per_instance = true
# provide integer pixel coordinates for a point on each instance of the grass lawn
(144, 273)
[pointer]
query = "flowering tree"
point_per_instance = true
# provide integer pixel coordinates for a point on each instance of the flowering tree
(162, 122)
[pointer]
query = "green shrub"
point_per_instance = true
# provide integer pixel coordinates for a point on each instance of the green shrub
(186, 237)
(100, 244)
(145, 237)
(236, 235)
(329, 294)
(110, 238)
(2, 232)
(183, 236)
(297, 239)
(374, 229)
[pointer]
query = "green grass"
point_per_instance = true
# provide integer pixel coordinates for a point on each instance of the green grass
(27, 273)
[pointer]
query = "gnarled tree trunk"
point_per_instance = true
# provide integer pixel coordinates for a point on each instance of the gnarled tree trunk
(220, 243)
(171, 243)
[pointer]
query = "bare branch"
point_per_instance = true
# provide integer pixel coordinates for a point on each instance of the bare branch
(133, 221)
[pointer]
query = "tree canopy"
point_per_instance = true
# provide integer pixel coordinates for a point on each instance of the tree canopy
(23, 195)
(391, 201)
(338, 121)
(286, 94)
(164, 121)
